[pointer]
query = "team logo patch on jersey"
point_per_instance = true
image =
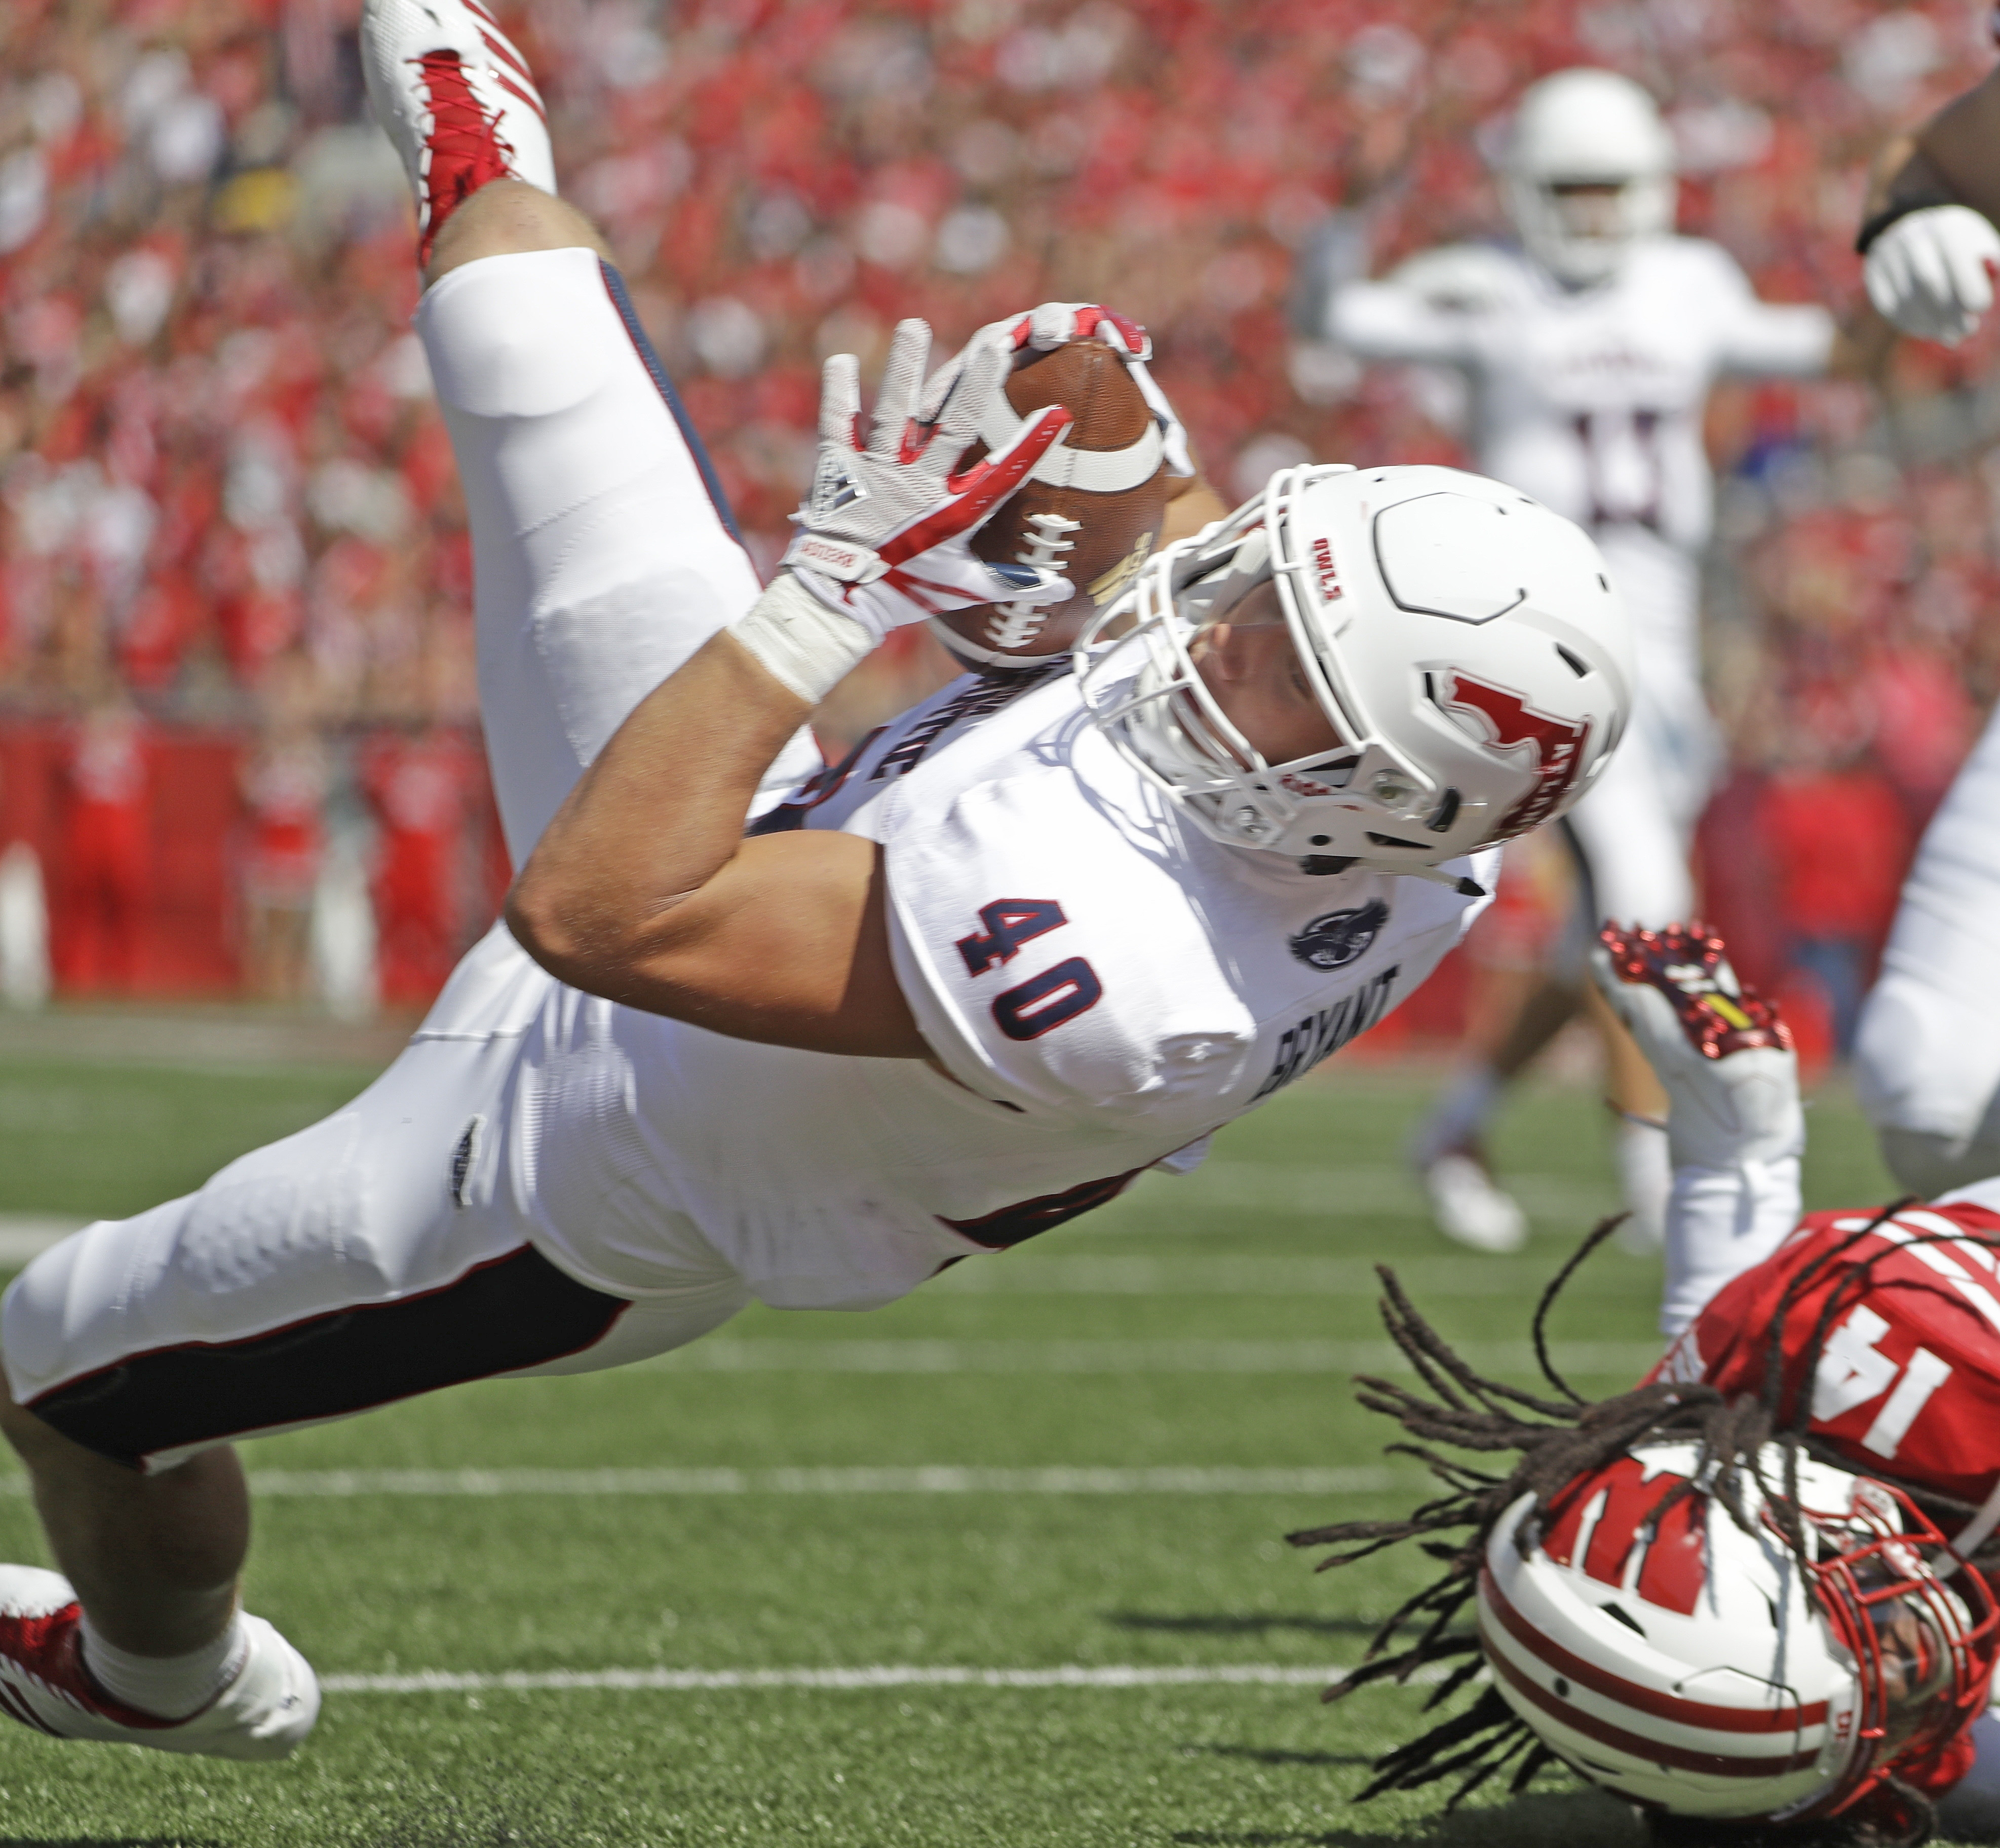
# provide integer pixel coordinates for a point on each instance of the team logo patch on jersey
(1340, 937)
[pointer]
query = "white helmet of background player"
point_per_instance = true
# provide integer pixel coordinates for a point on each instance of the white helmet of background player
(1697, 1666)
(1589, 129)
(1464, 643)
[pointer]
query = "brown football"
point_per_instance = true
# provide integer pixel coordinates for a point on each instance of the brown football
(1115, 530)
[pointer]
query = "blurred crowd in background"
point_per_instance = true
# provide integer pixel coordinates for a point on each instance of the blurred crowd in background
(234, 580)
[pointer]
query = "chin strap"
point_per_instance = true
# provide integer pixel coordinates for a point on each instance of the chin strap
(1452, 882)
(1322, 865)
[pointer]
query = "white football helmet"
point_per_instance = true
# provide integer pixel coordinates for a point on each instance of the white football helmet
(1693, 1667)
(1464, 642)
(1588, 128)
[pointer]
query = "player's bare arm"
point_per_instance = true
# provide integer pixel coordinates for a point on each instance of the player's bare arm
(644, 890)
(1927, 235)
(1948, 161)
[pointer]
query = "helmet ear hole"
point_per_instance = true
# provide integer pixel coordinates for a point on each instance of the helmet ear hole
(1619, 1615)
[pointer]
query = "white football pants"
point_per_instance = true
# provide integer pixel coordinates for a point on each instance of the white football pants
(1927, 1057)
(375, 1255)
(1635, 828)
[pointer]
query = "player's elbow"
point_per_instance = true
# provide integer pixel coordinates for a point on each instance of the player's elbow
(550, 922)
(604, 941)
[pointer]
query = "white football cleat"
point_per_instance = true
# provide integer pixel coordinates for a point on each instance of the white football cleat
(268, 1706)
(1469, 1208)
(458, 101)
(1720, 1049)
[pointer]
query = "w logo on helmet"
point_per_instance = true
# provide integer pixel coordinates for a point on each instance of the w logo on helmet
(1510, 721)
(1601, 1521)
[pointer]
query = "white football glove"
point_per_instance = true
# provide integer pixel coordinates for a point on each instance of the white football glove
(1056, 324)
(885, 535)
(1931, 272)
(1722, 1053)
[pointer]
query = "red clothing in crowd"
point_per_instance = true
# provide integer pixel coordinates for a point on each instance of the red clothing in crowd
(418, 787)
(1839, 843)
(284, 787)
(97, 946)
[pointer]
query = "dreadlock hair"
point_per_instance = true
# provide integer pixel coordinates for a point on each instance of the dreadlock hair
(1553, 1442)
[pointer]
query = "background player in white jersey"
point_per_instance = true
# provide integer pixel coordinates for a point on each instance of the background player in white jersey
(1035, 936)
(1927, 1052)
(1590, 348)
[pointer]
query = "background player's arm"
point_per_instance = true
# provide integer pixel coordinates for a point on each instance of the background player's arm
(1953, 159)
(1427, 311)
(1928, 235)
(643, 891)
(1862, 346)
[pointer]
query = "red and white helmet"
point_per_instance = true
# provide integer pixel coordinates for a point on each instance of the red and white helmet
(1465, 644)
(1698, 1669)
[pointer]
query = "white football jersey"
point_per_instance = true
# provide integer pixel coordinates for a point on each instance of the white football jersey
(1591, 400)
(1102, 988)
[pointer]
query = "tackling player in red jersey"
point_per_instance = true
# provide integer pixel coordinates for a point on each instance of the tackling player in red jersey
(1748, 1595)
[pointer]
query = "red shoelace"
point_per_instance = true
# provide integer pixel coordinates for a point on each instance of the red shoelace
(466, 150)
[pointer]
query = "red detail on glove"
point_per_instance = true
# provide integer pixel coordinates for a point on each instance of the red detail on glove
(1133, 336)
(979, 489)
(1716, 1024)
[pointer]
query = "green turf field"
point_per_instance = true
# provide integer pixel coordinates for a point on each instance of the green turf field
(1078, 1457)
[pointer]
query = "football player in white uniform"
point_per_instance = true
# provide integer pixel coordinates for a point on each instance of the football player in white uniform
(1036, 935)
(1927, 1058)
(1590, 348)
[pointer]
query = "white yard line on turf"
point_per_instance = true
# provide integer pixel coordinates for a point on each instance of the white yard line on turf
(1624, 1359)
(438, 1681)
(1373, 1191)
(1020, 1274)
(941, 1479)
(1185, 1274)
(932, 1479)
